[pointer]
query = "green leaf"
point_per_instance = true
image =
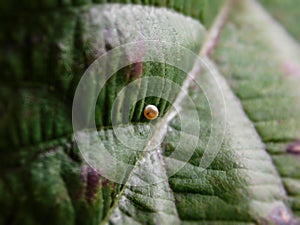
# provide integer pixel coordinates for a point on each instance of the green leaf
(36, 127)
(239, 187)
(204, 10)
(47, 181)
(266, 79)
(286, 13)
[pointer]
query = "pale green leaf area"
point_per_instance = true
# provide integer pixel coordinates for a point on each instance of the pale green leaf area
(285, 13)
(268, 91)
(43, 176)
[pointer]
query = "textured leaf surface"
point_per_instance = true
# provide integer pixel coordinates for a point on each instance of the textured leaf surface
(36, 127)
(204, 10)
(45, 180)
(263, 78)
(60, 57)
(241, 186)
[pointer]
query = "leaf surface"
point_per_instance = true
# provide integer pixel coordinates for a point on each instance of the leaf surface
(266, 80)
(240, 186)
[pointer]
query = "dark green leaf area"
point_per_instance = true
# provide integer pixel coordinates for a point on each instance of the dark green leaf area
(45, 61)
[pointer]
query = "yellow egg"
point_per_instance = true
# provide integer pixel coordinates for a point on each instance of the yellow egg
(151, 112)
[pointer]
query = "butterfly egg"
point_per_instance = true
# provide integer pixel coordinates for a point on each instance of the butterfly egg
(151, 112)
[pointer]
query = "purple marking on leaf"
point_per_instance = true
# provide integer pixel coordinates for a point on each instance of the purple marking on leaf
(108, 185)
(108, 39)
(105, 182)
(136, 70)
(281, 215)
(294, 148)
(137, 55)
(97, 52)
(93, 183)
(83, 176)
(291, 68)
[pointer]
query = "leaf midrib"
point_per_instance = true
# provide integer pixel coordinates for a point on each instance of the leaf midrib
(160, 130)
